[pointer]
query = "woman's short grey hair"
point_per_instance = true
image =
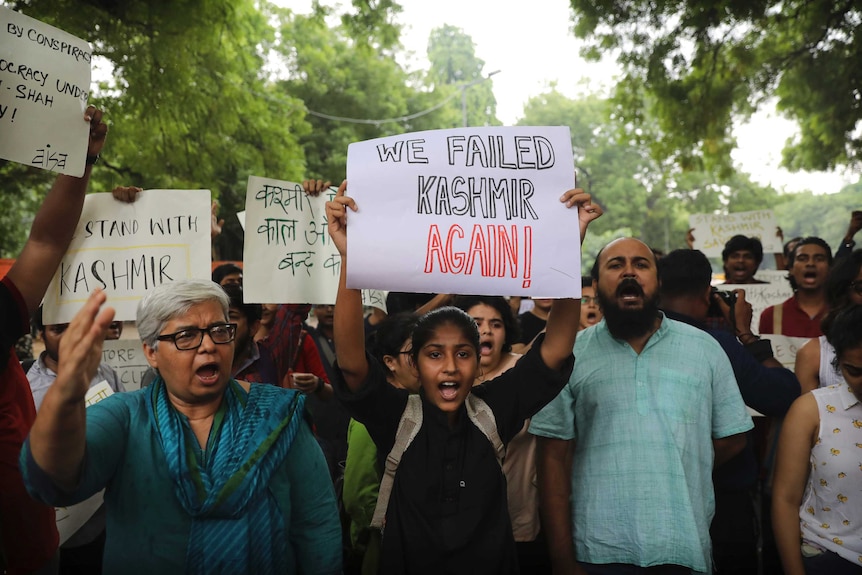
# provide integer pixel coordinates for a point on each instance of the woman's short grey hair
(170, 300)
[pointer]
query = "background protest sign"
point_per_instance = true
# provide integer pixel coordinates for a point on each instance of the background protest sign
(469, 210)
(772, 276)
(784, 348)
(126, 249)
(44, 87)
(711, 231)
(288, 256)
(761, 296)
(126, 356)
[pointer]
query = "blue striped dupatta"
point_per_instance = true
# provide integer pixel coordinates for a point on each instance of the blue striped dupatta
(237, 526)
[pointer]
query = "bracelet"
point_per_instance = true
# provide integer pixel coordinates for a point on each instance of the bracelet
(92, 159)
(742, 335)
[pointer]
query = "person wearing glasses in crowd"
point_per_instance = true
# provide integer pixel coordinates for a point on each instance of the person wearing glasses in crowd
(591, 313)
(202, 473)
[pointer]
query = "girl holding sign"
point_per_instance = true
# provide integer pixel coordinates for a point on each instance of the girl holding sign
(448, 509)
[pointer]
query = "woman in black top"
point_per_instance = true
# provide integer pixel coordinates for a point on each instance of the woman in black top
(447, 513)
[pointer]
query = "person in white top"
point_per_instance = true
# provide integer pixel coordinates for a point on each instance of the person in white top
(817, 500)
(843, 288)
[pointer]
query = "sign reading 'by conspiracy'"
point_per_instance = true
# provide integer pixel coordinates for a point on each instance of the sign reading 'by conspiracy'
(44, 87)
(470, 210)
(129, 248)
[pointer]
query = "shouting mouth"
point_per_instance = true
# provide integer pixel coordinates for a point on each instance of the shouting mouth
(629, 291)
(208, 374)
(449, 390)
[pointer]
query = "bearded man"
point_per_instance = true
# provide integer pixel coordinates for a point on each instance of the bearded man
(627, 449)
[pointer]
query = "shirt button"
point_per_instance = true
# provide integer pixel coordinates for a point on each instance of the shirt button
(449, 467)
(462, 484)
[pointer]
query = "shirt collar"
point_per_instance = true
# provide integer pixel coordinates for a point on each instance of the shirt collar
(656, 336)
(848, 400)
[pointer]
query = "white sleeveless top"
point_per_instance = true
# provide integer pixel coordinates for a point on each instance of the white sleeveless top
(831, 512)
(827, 373)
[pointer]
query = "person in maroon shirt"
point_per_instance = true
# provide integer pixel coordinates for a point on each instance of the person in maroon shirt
(28, 532)
(800, 315)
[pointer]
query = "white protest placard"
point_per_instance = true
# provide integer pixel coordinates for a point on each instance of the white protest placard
(44, 87)
(760, 296)
(129, 248)
(772, 276)
(288, 256)
(784, 348)
(126, 356)
(241, 217)
(70, 519)
(711, 231)
(464, 211)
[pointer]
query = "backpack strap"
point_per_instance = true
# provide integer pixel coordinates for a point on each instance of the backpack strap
(408, 427)
(482, 417)
(411, 421)
(777, 313)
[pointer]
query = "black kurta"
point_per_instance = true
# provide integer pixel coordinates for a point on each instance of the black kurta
(448, 510)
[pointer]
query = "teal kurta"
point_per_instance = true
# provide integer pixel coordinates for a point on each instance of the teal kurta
(643, 426)
(148, 529)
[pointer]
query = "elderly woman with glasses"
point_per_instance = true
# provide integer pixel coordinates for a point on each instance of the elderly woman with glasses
(202, 473)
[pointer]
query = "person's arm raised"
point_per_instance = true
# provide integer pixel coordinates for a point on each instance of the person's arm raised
(563, 321)
(59, 435)
(348, 328)
(55, 223)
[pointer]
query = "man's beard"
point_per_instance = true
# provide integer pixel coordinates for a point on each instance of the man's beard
(626, 324)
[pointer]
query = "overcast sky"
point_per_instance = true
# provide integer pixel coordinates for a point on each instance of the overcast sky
(532, 46)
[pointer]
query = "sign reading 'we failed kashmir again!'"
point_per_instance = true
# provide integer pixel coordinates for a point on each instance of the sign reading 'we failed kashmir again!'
(464, 211)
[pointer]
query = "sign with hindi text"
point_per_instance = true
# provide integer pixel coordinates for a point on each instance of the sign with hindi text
(128, 248)
(44, 88)
(711, 231)
(464, 211)
(288, 256)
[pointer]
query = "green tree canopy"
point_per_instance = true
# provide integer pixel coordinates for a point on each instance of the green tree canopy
(697, 65)
(455, 67)
(647, 199)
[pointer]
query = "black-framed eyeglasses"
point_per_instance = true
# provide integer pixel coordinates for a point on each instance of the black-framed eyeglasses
(589, 299)
(856, 286)
(193, 337)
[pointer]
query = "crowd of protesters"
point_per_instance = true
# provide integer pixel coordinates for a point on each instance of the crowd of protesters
(611, 434)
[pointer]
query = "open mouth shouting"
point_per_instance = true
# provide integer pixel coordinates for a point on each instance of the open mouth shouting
(738, 273)
(629, 292)
(208, 374)
(449, 390)
(810, 276)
